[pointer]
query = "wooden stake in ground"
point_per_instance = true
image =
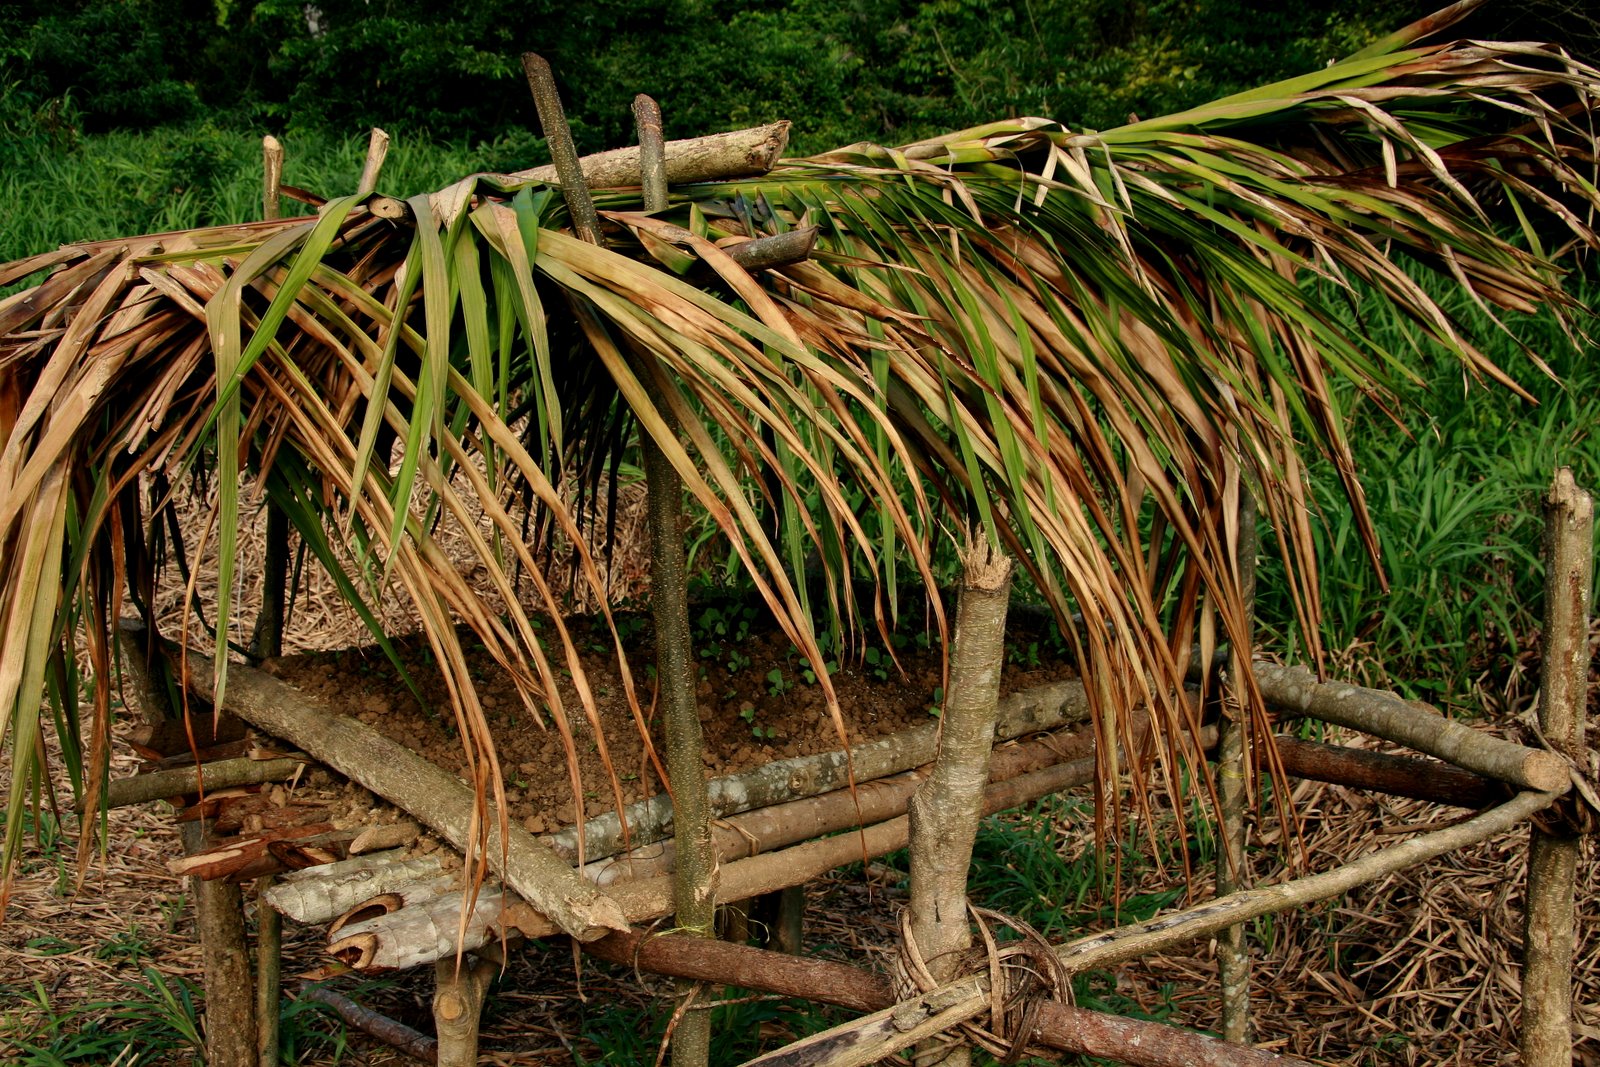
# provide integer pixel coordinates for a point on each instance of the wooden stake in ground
(1233, 793)
(694, 875)
(230, 1023)
(944, 811)
(459, 988)
(1550, 933)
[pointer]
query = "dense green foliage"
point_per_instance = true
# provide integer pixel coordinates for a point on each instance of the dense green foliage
(841, 70)
(1454, 487)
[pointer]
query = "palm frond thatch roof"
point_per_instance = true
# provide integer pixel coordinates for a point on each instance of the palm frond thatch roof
(1090, 342)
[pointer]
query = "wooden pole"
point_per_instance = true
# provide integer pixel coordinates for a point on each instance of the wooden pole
(1385, 715)
(1025, 711)
(377, 152)
(558, 136)
(715, 157)
(1067, 1029)
(271, 176)
(269, 974)
(1233, 792)
(944, 811)
(460, 986)
(429, 793)
(884, 1033)
(394, 1034)
(182, 781)
(694, 872)
(1550, 928)
(225, 957)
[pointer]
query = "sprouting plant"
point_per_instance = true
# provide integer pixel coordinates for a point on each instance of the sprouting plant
(936, 708)
(809, 676)
(877, 663)
(737, 661)
(777, 682)
(748, 714)
(1023, 655)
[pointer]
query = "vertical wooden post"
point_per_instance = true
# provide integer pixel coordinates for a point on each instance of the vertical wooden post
(459, 989)
(271, 176)
(269, 974)
(1233, 955)
(945, 809)
(377, 152)
(1550, 926)
(266, 641)
(230, 1004)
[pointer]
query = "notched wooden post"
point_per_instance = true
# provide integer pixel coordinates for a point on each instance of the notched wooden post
(1550, 928)
(945, 810)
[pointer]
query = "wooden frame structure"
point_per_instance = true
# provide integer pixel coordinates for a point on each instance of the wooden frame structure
(388, 909)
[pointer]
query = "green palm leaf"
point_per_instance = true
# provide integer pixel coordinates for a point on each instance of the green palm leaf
(1089, 342)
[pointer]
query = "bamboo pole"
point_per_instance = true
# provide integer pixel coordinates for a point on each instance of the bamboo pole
(1550, 928)
(1233, 792)
(427, 792)
(884, 1033)
(944, 811)
(1385, 715)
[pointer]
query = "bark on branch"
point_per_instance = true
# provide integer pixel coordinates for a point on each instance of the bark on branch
(1068, 1029)
(1391, 718)
(1026, 711)
(425, 791)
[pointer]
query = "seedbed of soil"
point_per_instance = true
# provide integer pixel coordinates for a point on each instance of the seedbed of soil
(758, 699)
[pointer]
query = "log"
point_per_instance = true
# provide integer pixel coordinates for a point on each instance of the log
(1068, 1029)
(425, 791)
(318, 894)
(650, 898)
(1550, 934)
(380, 838)
(394, 1034)
(1385, 715)
(882, 1034)
(186, 781)
(422, 933)
(716, 157)
(763, 829)
(1026, 711)
(1401, 776)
